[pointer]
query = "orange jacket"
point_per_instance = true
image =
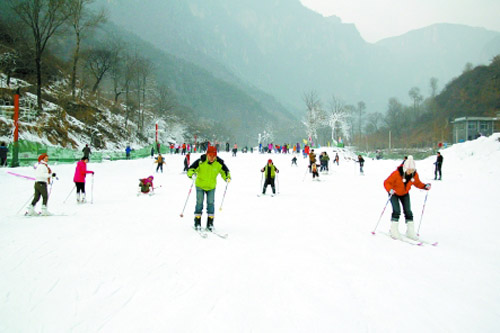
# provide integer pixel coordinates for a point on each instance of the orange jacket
(396, 182)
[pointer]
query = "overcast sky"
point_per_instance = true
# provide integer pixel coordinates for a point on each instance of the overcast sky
(378, 19)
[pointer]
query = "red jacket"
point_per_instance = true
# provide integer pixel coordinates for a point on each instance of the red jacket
(396, 181)
(81, 172)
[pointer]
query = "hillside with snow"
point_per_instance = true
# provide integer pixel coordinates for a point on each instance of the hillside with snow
(302, 261)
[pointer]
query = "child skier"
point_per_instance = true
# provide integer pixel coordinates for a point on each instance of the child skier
(294, 161)
(314, 170)
(146, 185)
(43, 176)
(160, 161)
(269, 171)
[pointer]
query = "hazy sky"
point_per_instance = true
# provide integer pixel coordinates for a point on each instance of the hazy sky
(378, 19)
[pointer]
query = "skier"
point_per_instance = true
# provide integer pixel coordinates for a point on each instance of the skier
(314, 170)
(79, 179)
(43, 176)
(398, 185)
(312, 159)
(206, 169)
(337, 158)
(438, 163)
(324, 159)
(361, 162)
(187, 160)
(294, 161)
(160, 161)
(3, 154)
(146, 185)
(86, 152)
(127, 152)
(235, 149)
(270, 171)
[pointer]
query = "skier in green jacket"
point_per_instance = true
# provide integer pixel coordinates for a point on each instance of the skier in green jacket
(206, 169)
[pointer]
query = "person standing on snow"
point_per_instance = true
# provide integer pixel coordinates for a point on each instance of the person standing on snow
(43, 176)
(187, 160)
(438, 163)
(206, 169)
(79, 179)
(86, 152)
(312, 159)
(398, 185)
(3, 154)
(270, 171)
(361, 162)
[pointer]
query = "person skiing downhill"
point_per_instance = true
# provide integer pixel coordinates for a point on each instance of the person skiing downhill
(206, 169)
(160, 161)
(398, 185)
(269, 171)
(79, 179)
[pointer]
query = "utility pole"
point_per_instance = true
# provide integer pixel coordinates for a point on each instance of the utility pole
(15, 154)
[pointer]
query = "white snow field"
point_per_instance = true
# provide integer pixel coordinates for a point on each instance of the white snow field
(302, 261)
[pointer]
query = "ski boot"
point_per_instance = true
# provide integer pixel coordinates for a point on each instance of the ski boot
(210, 223)
(197, 222)
(410, 230)
(45, 212)
(31, 211)
(395, 230)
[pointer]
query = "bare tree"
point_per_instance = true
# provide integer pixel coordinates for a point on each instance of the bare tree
(81, 20)
(98, 63)
(336, 116)
(315, 114)
(433, 83)
(43, 18)
(417, 98)
(360, 110)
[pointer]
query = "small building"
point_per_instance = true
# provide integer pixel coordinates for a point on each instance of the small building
(470, 128)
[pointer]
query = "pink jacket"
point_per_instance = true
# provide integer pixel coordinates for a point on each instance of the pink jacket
(81, 172)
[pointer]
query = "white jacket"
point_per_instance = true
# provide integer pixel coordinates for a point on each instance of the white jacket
(42, 172)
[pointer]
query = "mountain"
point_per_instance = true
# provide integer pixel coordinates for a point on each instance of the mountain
(286, 49)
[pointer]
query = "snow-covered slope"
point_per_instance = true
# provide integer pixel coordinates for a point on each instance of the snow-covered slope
(302, 261)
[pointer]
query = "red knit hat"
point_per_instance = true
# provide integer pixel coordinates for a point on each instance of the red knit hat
(41, 157)
(270, 161)
(212, 150)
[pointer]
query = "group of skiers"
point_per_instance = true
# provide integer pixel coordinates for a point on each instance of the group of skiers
(206, 169)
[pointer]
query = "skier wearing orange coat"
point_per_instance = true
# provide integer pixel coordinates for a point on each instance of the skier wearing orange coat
(398, 185)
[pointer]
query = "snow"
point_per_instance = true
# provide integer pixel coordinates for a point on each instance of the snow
(302, 261)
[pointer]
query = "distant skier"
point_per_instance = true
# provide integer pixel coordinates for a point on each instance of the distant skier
(361, 162)
(270, 171)
(146, 185)
(438, 164)
(159, 161)
(324, 160)
(294, 161)
(235, 149)
(206, 169)
(86, 152)
(187, 160)
(337, 158)
(3, 154)
(398, 185)
(79, 179)
(312, 159)
(127, 152)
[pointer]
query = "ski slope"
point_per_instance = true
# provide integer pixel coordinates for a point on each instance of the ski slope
(302, 261)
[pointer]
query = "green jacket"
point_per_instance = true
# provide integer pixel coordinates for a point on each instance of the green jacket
(206, 173)
(266, 170)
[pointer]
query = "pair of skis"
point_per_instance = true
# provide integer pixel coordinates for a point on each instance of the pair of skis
(404, 239)
(205, 232)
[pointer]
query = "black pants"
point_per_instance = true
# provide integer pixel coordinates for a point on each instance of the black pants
(396, 209)
(80, 187)
(40, 190)
(437, 170)
(269, 181)
(160, 167)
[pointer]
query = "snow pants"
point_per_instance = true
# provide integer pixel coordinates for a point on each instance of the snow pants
(80, 187)
(269, 181)
(396, 209)
(40, 190)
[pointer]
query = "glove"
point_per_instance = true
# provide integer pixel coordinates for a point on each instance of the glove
(427, 187)
(228, 180)
(391, 191)
(92, 172)
(54, 175)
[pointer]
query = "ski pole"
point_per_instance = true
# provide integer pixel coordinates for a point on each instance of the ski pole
(261, 180)
(30, 199)
(277, 184)
(92, 190)
(376, 226)
(223, 196)
(422, 215)
(189, 193)
(305, 174)
(69, 194)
